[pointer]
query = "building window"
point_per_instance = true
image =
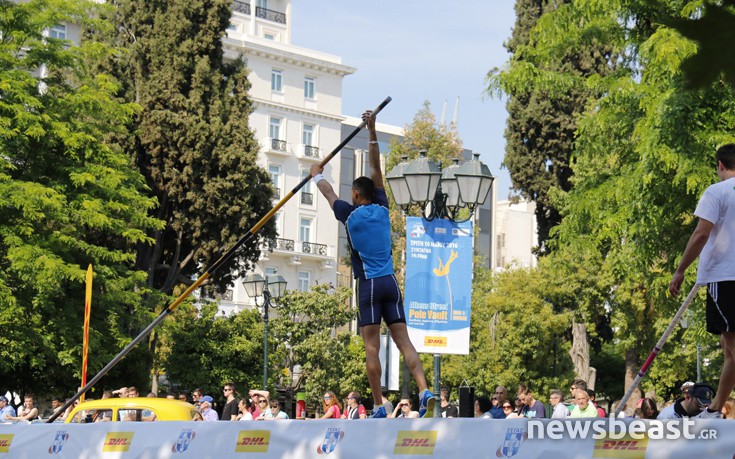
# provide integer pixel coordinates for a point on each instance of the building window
(275, 172)
(270, 271)
(269, 36)
(309, 88)
(262, 4)
(58, 31)
(277, 80)
(307, 196)
(275, 128)
(232, 26)
(307, 135)
(305, 229)
(304, 281)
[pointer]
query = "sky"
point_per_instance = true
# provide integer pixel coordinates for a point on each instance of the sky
(416, 51)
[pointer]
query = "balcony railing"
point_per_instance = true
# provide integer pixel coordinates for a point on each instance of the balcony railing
(307, 198)
(278, 145)
(241, 7)
(282, 244)
(317, 249)
(270, 15)
(311, 152)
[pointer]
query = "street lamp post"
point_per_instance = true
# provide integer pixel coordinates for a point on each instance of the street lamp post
(440, 194)
(272, 287)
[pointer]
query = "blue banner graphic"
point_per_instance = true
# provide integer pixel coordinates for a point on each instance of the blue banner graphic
(438, 285)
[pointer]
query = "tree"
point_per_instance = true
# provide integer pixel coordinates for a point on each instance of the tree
(191, 140)
(516, 334)
(206, 351)
(310, 332)
(643, 154)
(67, 199)
(541, 124)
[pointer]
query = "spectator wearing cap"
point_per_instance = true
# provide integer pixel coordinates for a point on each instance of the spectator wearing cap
(205, 406)
(699, 397)
(686, 387)
(6, 409)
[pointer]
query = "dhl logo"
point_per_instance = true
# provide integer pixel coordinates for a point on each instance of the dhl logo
(415, 442)
(435, 341)
(5, 441)
(624, 448)
(117, 442)
(253, 441)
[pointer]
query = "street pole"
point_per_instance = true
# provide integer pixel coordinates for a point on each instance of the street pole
(437, 382)
(699, 362)
(266, 305)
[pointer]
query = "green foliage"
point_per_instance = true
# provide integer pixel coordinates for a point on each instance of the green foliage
(517, 336)
(67, 199)
(713, 28)
(310, 331)
(208, 351)
(191, 139)
(545, 85)
(643, 154)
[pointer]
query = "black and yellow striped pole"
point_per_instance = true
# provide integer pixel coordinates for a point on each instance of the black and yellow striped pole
(217, 264)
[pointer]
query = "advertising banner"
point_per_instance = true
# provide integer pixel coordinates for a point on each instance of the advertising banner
(438, 285)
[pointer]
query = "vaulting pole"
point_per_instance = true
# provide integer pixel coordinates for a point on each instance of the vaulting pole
(85, 334)
(644, 369)
(218, 264)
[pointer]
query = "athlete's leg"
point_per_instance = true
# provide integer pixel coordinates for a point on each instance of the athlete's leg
(399, 334)
(727, 377)
(371, 338)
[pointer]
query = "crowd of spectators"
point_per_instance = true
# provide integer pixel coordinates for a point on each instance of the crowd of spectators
(258, 405)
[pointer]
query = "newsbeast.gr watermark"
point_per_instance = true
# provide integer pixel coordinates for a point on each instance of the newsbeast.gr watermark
(616, 429)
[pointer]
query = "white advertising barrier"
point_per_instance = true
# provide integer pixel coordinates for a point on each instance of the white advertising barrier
(372, 439)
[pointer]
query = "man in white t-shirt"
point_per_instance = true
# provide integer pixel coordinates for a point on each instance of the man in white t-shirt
(713, 242)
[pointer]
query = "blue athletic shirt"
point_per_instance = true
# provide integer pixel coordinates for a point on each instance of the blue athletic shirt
(368, 232)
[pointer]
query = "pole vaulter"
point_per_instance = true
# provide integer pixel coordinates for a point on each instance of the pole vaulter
(218, 264)
(644, 369)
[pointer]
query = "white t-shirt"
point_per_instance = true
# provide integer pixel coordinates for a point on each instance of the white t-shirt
(717, 206)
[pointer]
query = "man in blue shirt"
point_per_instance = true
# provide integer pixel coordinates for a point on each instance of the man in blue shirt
(367, 221)
(5, 409)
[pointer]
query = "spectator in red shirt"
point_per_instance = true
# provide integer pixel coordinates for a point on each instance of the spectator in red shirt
(353, 407)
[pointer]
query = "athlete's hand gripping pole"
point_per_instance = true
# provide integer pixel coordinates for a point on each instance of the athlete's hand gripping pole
(221, 261)
(657, 348)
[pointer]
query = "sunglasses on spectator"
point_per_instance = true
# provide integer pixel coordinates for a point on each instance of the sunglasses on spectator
(327, 397)
(507, 407)
(262, 401)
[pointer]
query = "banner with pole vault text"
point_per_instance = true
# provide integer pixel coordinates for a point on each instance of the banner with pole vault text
(438, 289)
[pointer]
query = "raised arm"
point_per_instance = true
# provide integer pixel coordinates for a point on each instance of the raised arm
(324, 187)
(373, 150)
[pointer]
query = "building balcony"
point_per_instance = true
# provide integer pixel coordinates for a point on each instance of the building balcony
(309, 251)
(313, 248)
(310, 153)
(307, 199)
(270, 15)
(241, 7)
(276, 146)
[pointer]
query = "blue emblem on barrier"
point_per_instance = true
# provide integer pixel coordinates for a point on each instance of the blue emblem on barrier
(59, 441)
(185, 438)
(512, 444)
(332, 437)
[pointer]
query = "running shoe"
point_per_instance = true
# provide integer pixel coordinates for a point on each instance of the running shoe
(426, 404)
(379, 412)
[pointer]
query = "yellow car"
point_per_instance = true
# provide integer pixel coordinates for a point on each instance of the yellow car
(133, 409)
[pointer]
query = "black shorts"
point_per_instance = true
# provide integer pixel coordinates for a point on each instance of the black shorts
(379, 298)
(721, 307)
